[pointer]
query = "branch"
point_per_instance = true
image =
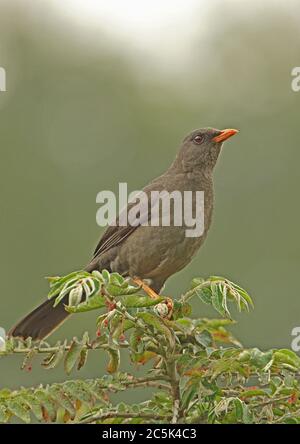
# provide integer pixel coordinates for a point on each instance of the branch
(103, 416)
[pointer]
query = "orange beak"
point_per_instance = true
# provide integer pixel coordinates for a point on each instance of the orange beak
(224, 135)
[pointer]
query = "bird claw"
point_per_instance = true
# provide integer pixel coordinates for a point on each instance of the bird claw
(148, 290)
(163, 309)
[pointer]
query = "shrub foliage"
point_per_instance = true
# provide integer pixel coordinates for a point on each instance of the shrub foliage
(198, 370)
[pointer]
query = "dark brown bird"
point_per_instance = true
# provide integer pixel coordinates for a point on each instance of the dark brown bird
(148, 253)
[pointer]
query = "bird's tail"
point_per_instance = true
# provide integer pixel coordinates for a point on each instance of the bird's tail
(42, 321)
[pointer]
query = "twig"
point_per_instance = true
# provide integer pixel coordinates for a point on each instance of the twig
(189, 294)
(150, 381)
(270, 401)
(103, 416)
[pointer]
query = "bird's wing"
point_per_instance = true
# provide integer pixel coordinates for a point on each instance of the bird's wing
(112, 237)
(115, 234)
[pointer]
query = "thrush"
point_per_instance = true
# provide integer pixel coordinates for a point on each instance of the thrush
(148, 254)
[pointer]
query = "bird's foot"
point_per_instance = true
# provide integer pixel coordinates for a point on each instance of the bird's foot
(146, 288)
(163, 309)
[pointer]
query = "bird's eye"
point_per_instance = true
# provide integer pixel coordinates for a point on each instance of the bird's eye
(198, 139)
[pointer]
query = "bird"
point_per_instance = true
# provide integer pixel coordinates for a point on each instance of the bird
(147, 254)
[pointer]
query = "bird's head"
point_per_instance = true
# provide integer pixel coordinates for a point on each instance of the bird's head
(201, 148)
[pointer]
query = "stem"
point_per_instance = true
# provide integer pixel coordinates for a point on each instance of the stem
(103, 416)
(175, 411)
(271, 401)
(149, 382)
(287, 416)
(53, 349)
(175, 390)
(189, 294)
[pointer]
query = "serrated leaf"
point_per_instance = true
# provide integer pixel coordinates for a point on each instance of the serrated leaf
(204, 338)
(17, 408)
(121, 290)
(57, 392)
(204, 294)
(144, 357)
(72, 355)
(285, 356)
(260, 359)
(238, 409)
(253, 393)
(197, 281)
(138, 301)
(184, 324)
(217, 300)
(80, 391)
(106, 276)
(117, 279)
(135, 340)
(158, 324)
(92, 303)
(34, 405)
(189, 394)
(28, 358)
(49, 407)
(58, 284)
(82, 358)
(114, 360)
(53, 359)
(4, 414)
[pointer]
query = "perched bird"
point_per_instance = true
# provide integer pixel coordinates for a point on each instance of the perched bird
(148, 254)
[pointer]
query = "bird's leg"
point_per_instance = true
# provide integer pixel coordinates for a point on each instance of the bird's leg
(146, 288)
(168, 301)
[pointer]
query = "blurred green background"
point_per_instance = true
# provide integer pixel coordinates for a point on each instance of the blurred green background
(87, 108)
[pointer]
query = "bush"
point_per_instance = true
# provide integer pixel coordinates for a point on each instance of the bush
(199, 372)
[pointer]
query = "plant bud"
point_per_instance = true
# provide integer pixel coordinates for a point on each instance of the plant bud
(75, 296)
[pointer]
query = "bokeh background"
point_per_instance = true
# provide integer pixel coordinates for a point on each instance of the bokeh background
(103, 92)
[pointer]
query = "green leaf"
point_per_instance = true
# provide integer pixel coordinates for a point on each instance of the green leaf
(72, 355)
(204, 294)
(120, 290)
(57, 392)
(81, 391)
(114, 360)
(288, 357)
(260, 359)
(106, 276)
(239, 410)
(53, 359)
(17, 408)
(34, 405)
(185, 325)
(253, 393)
(196, 282)
(138, 301)
(159, 324)
(82, 358)
(117, 279)
(135, 340)
(92, 303)
(217, 299)
(58, 283)
(47, 403)
(189, 394)
(4, 414)
(204, 338)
